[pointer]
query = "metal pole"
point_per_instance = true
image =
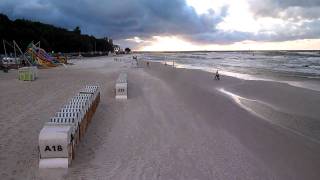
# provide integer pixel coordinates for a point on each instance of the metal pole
(4, 47)
(15, 44)
(15, 55)
(5, 52)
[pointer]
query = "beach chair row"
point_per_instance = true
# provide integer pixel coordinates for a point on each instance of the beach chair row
(59, 137)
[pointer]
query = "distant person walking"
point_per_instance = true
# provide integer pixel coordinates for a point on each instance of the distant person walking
(217, 76)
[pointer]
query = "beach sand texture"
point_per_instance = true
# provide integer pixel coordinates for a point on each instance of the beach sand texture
(176, 124)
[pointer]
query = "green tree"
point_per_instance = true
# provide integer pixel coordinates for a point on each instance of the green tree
(77, 30)
(52, 38)
(127, 50)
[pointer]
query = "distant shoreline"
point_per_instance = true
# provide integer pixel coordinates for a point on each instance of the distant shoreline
(299, 69)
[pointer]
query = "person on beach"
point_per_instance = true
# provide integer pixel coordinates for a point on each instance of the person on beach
(23, 62)
(135, 57)
(217, 76)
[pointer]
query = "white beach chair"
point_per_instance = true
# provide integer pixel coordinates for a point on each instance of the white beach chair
(122, 87)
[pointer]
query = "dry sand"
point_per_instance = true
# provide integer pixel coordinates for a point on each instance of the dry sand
(176, 124)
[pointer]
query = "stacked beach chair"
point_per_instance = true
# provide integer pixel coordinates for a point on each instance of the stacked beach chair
(61, 134)
(122, 86)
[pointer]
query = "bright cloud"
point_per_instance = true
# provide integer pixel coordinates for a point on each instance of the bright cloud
(135, 39)
(169, 43)
(239, 16)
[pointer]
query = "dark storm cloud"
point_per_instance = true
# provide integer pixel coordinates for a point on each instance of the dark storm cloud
(288, 9)
(118, 19)
(302, 18)
(297, 3)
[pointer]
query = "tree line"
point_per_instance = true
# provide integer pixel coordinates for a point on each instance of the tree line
(51, 38)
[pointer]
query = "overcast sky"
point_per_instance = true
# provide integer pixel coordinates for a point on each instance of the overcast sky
(183, 24)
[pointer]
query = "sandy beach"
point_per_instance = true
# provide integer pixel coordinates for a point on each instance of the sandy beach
(176, 124)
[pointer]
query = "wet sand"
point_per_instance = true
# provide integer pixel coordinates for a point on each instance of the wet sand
(176, 124)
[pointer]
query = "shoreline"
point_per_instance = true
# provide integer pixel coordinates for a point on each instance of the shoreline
(306, 82)
(295, 81)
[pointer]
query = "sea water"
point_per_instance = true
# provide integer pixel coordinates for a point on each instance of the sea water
(296, 68)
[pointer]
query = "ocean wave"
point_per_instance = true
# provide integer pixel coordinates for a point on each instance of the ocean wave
(299, 64)
(191, 57)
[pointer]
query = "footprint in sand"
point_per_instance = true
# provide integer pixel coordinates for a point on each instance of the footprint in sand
(14, 172)
(4, 175)
(3, 158)
(6, 131)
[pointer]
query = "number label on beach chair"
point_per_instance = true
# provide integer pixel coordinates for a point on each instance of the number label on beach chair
(53, 148)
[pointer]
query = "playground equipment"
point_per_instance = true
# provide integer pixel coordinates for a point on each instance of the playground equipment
(40, 57)
(16, 58)
(59, 137)
(62, 59)
(10, 62)
(33, 56)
